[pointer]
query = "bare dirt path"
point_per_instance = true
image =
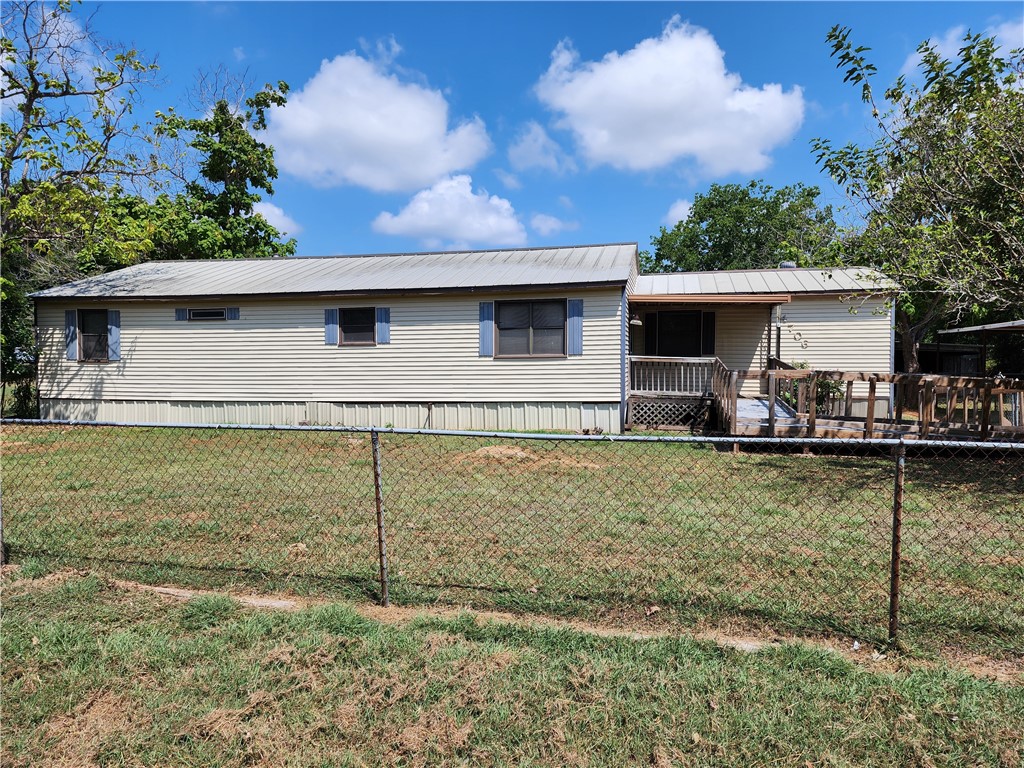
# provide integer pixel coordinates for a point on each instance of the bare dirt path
(740, 639)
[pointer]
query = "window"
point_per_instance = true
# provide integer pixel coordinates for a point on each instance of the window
(357, 326)
(530, 328)
(220, 313)
(92, 335)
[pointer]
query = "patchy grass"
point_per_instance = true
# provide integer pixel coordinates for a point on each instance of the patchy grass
(798, 542)
(96, 675)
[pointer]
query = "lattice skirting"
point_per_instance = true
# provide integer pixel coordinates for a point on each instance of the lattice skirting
(668, 412)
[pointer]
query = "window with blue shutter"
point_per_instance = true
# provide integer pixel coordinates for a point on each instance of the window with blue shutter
(532, 328)
(113, 334)
(180, 314)
(486, 329)
(574, 329)
(233, 313)
(331, 327)
(71, 333)
(383, 325)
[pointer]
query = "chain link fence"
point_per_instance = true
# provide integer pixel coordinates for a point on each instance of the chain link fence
(922, 541)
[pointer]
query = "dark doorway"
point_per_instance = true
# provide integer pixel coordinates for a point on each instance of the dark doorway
(687, 333)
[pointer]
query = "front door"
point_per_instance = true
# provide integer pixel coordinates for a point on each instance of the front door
(673, 334)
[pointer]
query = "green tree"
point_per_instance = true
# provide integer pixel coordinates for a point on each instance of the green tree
(67, 146)
(941, 190)
(83, 188)
(213, 218)
(746, 227)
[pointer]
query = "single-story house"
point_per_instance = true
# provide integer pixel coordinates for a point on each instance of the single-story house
(520, 339)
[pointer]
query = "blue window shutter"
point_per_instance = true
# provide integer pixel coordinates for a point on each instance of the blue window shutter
(383, 325)
(331, 327)
(574, 328)
(71, 333)
(232, 313)
(486, 329)
(181, 314)
(113, 334)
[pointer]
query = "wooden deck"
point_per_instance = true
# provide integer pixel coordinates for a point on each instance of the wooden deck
(701, 393)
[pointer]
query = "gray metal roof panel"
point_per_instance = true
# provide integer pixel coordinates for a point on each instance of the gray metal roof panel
(740, 282)
(461, 270)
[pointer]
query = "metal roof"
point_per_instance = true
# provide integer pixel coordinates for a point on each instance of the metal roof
(377, 273)
(1009, 327)
(761, 281)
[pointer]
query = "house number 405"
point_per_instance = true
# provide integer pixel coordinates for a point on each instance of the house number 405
(795, 334)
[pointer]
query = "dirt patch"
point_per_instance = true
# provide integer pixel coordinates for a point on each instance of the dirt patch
(514, 455)
(79, 737)
(26, 446)
(230, 724)
(434, 731)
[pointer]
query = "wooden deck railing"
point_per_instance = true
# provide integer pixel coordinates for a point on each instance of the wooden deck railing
(924, 405)
(649, 376)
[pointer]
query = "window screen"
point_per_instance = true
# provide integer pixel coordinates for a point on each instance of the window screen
(357, 325)
(528, 328)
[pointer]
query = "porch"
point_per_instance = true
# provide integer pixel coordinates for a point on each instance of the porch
(701, 393)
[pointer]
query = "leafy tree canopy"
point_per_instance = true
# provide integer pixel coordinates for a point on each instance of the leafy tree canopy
(213, 217)
(941, 190)
(83, 186)
(745, 227)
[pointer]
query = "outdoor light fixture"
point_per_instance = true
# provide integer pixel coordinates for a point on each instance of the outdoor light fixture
(635, 320)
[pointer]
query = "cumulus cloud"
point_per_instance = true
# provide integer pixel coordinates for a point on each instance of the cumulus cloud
(356, 122)
(510, 180)
(678, 211)
(1008, 35)
(546, 225)
(277, 218)
(535, 149)
(451, 211)
(670, 98)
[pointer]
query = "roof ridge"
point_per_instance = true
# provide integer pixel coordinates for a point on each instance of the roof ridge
(391, 254)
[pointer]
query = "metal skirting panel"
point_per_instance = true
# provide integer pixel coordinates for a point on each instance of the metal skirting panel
(511, 416)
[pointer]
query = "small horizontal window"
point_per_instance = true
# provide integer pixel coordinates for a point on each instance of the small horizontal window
(199, 315)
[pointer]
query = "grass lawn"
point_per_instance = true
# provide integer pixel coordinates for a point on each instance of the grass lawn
(94, 674)
(799, 542)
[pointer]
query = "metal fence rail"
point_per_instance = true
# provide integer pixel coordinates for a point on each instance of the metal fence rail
(872, 537)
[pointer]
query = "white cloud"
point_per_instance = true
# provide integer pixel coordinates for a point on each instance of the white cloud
(565, 201)
(670, 98)
(510, 180)
(1008, 35)
(355, 122)
(239, 53)
(451, 211)
(678, 211)
(546, 225)
(535, 149)
(277, 218)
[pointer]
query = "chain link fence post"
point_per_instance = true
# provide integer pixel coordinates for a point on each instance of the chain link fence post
(382, 544)
(900, 454)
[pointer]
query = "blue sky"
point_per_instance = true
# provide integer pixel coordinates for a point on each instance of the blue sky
(421, 126)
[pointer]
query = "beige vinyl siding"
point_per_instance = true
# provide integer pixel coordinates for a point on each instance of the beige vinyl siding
(823, 332)
(275, 353)
(741, 340)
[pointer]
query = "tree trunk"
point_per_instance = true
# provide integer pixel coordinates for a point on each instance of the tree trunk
(911, 337)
